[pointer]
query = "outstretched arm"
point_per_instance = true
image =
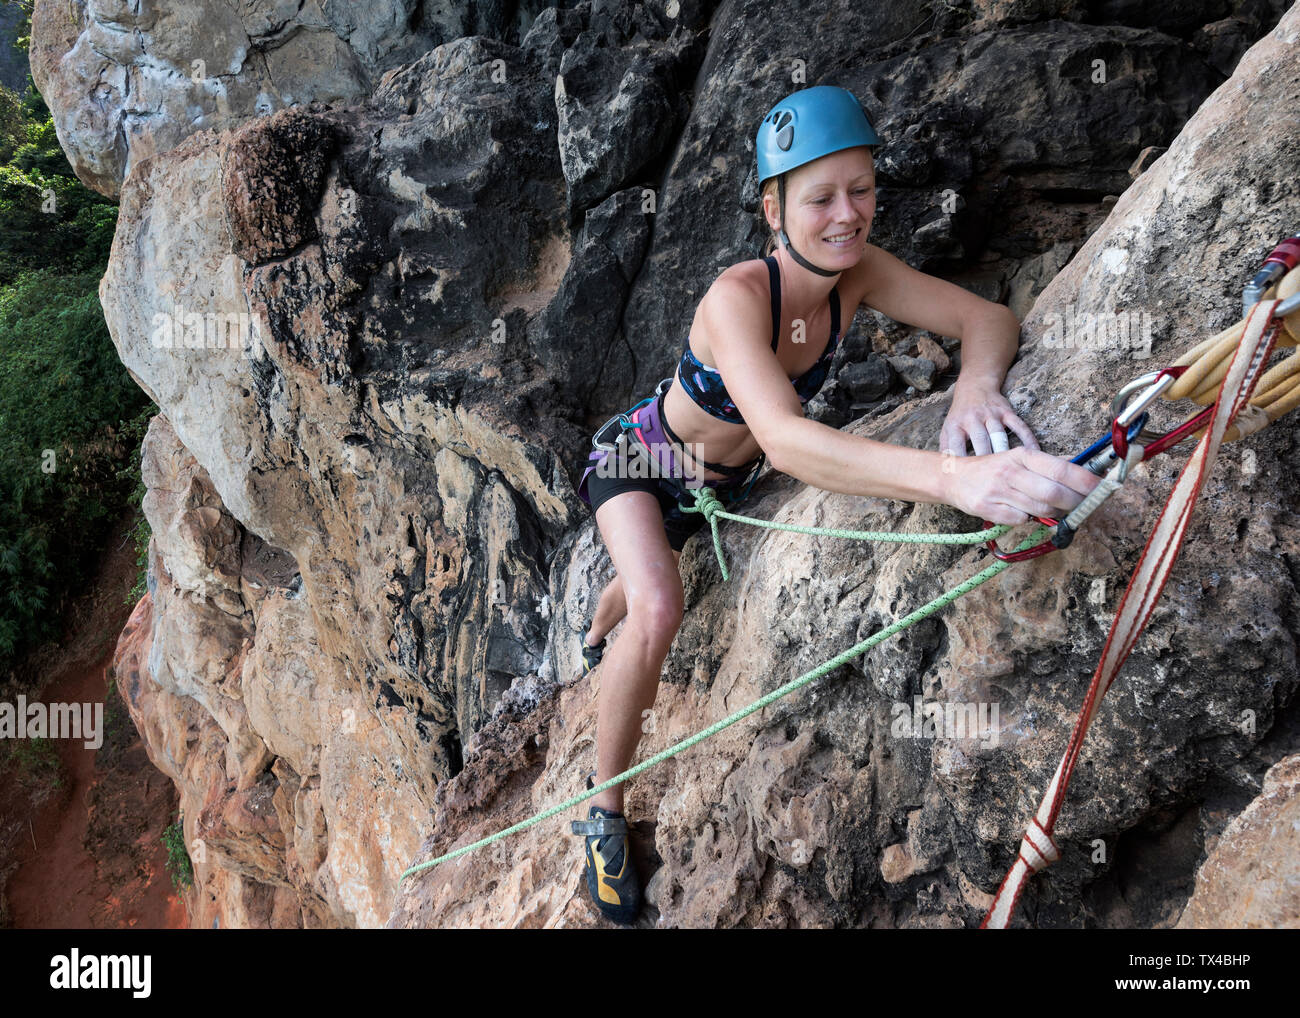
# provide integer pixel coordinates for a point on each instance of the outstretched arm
(1003, 490)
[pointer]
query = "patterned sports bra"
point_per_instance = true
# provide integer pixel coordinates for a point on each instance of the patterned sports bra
(704, 384)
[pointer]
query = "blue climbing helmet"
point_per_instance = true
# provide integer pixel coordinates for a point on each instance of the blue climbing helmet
(804, 126)
(807, 125)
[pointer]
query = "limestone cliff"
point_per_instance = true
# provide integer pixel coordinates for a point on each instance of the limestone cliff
(370, 572)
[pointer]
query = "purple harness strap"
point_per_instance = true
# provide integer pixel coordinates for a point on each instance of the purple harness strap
(660, 448)
(647, 430)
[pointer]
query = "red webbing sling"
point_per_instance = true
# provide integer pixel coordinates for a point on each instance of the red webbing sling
(1037, 849)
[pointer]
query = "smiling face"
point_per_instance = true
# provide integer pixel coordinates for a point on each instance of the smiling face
(830, 203)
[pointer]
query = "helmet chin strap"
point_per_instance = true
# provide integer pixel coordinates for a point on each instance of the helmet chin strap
(785, 239)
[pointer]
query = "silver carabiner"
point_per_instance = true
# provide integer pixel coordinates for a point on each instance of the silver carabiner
(1124, 413)
(600, 446)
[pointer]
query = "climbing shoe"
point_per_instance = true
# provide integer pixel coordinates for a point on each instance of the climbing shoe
(591, 656)
(611, 877)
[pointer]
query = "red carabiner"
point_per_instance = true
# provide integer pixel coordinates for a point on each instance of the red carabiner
(1286, 254)
(1028, 553)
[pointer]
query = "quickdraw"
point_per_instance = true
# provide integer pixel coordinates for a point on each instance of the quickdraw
(1208, 366)
(1225, 370)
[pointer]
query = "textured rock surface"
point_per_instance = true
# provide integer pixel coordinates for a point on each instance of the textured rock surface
(294, 810)
(126, 80)
(1252, 878)
(370, 571)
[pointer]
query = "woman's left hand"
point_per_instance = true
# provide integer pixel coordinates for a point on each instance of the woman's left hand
(982, 414)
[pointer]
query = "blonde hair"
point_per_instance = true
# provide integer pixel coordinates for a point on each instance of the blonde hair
(769, 187)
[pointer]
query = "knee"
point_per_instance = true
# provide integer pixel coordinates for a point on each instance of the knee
(658, 614)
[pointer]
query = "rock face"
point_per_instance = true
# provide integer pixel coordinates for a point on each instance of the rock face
(291, 804)
(1250, 879)
(127, 80)
(383, 320)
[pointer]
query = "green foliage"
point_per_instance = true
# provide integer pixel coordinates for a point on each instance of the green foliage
(51, 221)
(24, 40)
(178, 860)
(38, 761)
(13, 126)
(71, 417)
(71, 420)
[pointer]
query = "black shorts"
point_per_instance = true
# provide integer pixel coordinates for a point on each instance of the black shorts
(678, 525)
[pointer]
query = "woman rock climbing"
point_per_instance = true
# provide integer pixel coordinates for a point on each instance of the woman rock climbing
(761, 328)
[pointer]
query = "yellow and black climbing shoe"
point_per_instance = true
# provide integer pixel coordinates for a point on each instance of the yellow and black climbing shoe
(611, 877)
(591, 656)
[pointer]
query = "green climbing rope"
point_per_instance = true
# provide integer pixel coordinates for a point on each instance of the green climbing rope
(708, 504)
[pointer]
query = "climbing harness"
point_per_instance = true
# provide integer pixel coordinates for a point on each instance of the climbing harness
(1228, 365)
(653, 464)
(625, 423)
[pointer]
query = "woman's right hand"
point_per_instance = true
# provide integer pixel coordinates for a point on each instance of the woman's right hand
(1009, 487)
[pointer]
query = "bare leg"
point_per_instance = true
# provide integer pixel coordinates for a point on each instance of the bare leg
(632, 526)
(611, 608)
(609, 611)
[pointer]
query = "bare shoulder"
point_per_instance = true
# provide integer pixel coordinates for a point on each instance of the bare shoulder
(744, 279)
(735, 305)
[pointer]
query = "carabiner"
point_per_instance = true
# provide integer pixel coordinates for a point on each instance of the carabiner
(1090, 458)
(625, 424)
(1085, 459)
(1028, 553)
(1123, 412)
(1280, 261)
